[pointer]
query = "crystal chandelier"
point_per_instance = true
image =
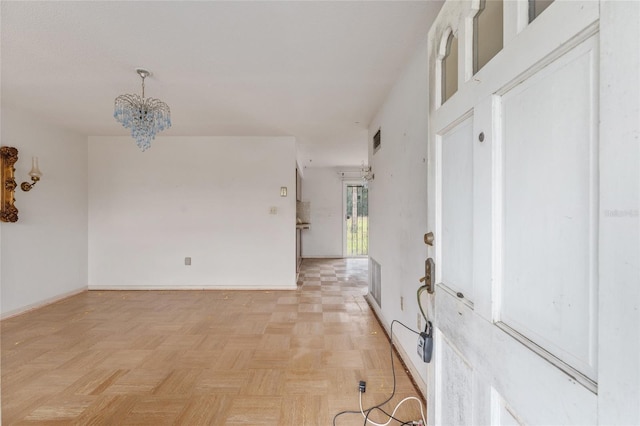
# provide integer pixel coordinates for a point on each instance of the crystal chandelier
(145, 117)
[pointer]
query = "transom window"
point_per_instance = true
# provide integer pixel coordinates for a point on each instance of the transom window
(449, 65)
(487, 32)
(536, 7)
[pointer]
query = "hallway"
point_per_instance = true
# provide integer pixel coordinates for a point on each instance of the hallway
(204, 357)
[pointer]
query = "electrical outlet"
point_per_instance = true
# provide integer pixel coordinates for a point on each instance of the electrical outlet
(401, 303)
(419, 322)
(273, 210)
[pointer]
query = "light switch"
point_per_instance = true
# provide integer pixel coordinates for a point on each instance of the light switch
(283, 191)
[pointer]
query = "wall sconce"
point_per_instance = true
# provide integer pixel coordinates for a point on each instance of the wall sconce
(366, 173)
(35, 174)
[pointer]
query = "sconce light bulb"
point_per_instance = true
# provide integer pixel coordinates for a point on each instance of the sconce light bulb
(35, 172)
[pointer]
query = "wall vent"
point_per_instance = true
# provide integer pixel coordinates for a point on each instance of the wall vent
(376, 141)
(375, 277)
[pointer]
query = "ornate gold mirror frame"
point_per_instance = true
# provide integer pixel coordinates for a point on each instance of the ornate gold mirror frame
(8, 157)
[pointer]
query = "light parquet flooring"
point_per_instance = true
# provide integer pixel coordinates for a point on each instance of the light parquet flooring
(203, 357)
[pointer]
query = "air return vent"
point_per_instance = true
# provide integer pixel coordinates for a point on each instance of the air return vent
(375, 277)
(376, 141)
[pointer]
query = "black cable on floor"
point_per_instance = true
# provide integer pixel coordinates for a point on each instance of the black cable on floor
(393, 371)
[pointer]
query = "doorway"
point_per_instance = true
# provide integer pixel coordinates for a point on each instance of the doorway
(356, 223)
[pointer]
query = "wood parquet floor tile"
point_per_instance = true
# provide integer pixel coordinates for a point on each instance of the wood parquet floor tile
(204, 357)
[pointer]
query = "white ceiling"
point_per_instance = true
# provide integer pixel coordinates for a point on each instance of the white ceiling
(315, 70)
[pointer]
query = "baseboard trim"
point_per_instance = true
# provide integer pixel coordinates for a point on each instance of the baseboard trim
(420, 385)
(186, 287)
(42, 303)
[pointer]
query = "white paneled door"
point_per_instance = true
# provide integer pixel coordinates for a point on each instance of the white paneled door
(514, 205)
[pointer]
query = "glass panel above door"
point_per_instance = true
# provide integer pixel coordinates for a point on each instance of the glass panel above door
(487, 32)
(536, 7)
(450, 69)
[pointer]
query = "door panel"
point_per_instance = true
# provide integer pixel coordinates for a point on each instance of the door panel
(549, 286)
(457, 207)
(525, 380)
(502, 414)
(455, 384)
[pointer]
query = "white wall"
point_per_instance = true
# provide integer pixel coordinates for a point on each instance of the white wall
(398, 199)
(322, 187)
(208, 198)
(44, 254)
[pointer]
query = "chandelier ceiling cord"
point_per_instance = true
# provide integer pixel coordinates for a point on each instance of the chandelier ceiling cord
(145, 117)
